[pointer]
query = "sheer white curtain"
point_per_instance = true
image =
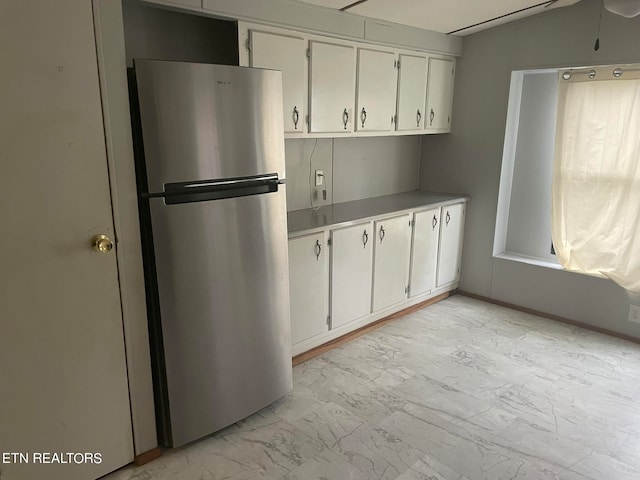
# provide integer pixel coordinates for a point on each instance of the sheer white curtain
(596, 174)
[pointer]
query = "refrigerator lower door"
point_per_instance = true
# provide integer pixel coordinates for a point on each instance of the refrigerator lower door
(222, 273)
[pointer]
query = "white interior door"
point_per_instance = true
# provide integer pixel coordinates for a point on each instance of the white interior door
(63, 380)
(391, 261)
(376, 90)
(424, 251)
(308, 286)
(439, 94)
(351, 265)
(450, 248)
(412, 90)
(333, 85)
(287, 54)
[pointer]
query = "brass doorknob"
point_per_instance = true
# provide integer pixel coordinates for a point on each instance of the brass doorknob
(102, 244)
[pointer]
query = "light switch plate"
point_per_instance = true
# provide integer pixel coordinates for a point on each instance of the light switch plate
(319, 178)
(634, 313)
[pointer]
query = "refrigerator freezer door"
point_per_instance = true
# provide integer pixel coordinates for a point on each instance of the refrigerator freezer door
(223, 285)
(209, 121)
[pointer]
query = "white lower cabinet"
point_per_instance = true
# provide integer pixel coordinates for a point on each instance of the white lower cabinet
(450, 246)
(308, 286)
(424, 251)
(351, 266)
(391, 261)
(342, 279)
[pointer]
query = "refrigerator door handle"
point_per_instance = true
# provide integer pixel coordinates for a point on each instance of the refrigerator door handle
(189, 192)
(226, 182)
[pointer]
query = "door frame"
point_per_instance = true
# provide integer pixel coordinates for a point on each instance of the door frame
(110, 49)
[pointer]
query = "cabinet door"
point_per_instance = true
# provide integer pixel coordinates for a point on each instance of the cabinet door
(424, 251)
(308, 286)
(412, 89)
(351, 265)
(439, 95)
(391, 261)
(450, 248)
(287, 54)
(376, 90)
(332, 77)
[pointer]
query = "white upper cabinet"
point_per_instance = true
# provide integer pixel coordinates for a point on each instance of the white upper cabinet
(424, 252)
(334, 87)
(376, 96)
(332, 80)
(412, 89)
(308, 285)
(351, 266)
(289, 55)
(439, 95)
(450, 248)
(391, 261)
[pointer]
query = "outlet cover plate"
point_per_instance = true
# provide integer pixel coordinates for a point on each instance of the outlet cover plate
(319, 178)
(634, 313)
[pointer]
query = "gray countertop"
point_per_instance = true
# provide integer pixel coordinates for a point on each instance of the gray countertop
(343, 214)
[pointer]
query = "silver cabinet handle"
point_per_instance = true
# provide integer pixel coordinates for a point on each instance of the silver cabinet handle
(432, 115)
(296, 117)
(448, 217)
(363, 116)
(318, 249)
(365, 238)
(345, 118)
(382, 233)
(434, 222)
(418, 117)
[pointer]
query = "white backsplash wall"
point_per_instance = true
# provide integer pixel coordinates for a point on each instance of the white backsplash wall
(374, 166)
(302, 158)
(354, 168)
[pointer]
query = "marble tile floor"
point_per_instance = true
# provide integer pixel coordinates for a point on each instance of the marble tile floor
(461, 390)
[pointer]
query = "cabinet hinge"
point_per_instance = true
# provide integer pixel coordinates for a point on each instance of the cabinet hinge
(248, 44)
(448, 119)
(329, 242)
(306, 119)
(406, 289)
(412, 223)
(308, 53)
(398, 64)
(395, 119)
(329, 321)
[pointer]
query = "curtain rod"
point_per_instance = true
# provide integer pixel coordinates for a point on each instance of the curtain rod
(617, 72)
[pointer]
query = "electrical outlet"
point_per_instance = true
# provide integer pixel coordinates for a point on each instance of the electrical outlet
(634, 313)
(319, 178)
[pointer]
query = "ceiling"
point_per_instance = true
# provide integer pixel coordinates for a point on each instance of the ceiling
(459, 17)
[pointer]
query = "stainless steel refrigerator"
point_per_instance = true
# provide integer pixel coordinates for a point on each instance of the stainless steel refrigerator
(215, 242)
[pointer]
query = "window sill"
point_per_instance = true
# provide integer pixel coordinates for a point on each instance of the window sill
(540, 262)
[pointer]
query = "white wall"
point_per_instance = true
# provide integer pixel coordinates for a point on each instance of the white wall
(302, 158)
(354, 168)
(469, 159)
